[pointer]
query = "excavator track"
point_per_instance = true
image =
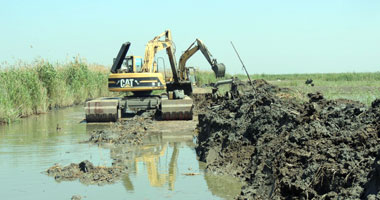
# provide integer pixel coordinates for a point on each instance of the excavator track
(102, 110)
(177, 109)
(111, 109)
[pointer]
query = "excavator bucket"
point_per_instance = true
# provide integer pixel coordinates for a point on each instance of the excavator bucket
(219, 70)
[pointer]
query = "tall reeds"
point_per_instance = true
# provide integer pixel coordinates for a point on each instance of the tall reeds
(36, 88)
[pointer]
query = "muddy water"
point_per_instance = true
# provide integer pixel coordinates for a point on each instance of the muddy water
(165, 167)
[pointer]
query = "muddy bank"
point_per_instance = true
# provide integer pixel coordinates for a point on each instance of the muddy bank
(284, 148)
(131, 131)
(87, 173)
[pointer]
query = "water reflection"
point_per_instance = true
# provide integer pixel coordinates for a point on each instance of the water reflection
(158, 158)
(156, 169)
(225, 187)
(128, 183)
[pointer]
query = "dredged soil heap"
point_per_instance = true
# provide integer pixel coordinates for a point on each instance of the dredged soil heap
(87, 173)
(284, 148)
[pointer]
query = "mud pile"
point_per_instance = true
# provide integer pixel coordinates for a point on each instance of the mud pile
(285, 148)
(131, 131)
(87, 173)
(201, 101)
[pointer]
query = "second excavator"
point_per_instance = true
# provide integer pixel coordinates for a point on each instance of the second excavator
(218, 68)
(140, 76)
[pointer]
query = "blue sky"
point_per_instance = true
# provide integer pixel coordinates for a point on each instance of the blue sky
(271, 36)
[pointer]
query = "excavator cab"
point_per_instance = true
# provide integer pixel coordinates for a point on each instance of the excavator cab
(127, 74)
(131, 64)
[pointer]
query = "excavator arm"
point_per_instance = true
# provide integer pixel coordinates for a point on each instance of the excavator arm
(218, 68)
(120, 57)
(156, 45)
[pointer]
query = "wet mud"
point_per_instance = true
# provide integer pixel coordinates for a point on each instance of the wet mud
(87, 173)
(131, 131)
(76, 197)
(283, 147)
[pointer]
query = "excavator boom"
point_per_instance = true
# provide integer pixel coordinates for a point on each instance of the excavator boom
(120, 57)
(156, 45)
(218, 68)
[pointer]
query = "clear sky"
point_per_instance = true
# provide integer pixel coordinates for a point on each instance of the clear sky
(273, 36)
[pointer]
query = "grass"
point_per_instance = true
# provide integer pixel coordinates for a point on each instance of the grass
(357, 90)
(37, 87)
(363, 87)
(375, 76)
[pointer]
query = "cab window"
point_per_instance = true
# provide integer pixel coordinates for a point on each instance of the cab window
(130, 64)
(138, 64)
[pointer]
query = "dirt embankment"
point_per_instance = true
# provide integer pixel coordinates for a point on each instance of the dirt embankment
(283, 148)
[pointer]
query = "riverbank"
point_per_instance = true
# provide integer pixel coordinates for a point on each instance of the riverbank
(284, 147)
(34, 88)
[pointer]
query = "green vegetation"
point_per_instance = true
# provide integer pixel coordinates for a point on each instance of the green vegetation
(363, 87)
(356, 89)
(207, 77)
(28, 89)
(321, 77)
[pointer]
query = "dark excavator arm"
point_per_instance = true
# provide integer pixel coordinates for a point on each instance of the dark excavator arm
(120, 57)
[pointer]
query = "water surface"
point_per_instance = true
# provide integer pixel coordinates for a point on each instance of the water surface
(157, 170)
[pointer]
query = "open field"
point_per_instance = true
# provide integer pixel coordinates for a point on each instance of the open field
(363, 91)
(363, 87)
(35, 88)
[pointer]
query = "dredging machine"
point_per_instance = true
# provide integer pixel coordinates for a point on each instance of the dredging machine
(140, 76)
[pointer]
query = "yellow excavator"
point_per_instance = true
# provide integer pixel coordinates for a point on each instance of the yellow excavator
(140, 76)
(133, 74)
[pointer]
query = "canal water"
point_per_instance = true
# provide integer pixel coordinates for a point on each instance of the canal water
(165, 167)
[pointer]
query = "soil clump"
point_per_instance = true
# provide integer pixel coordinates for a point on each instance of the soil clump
(87, 173)
(131, 131)
(282, 147)
(76, 197)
